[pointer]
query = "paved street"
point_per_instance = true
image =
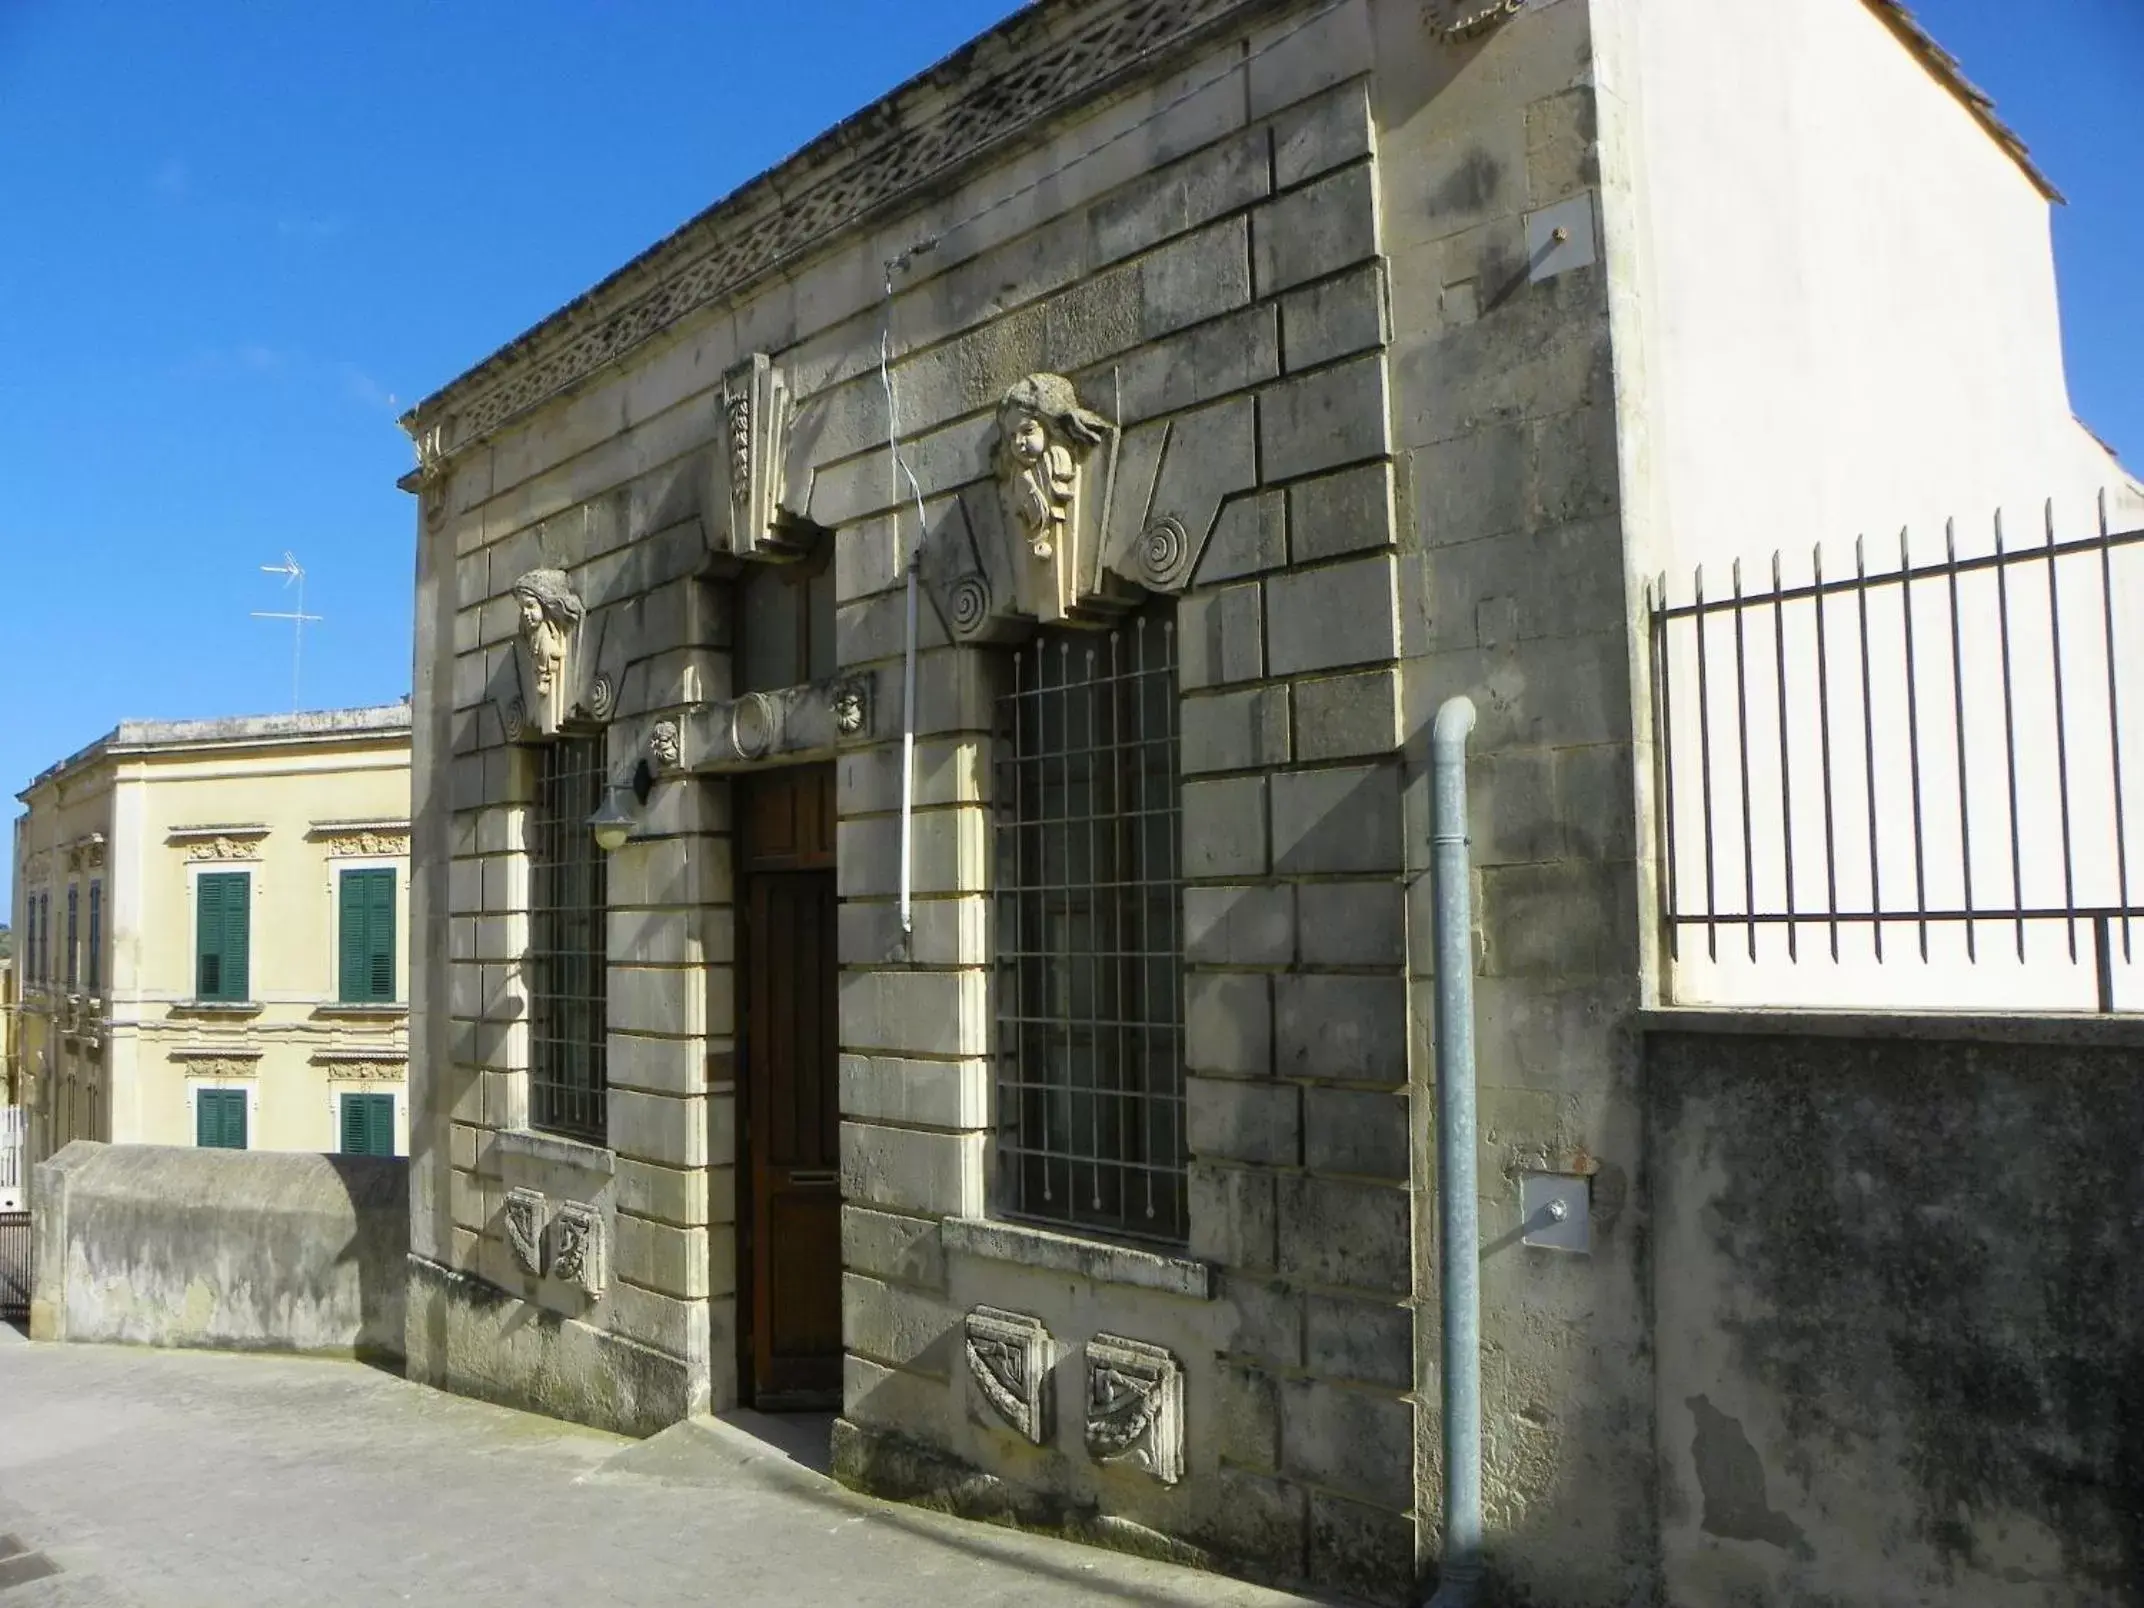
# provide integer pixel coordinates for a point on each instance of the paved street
(162, 1479)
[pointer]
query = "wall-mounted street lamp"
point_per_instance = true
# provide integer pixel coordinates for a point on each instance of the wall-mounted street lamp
(616, 821)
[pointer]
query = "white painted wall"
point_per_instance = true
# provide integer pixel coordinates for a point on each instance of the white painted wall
(1839, 318)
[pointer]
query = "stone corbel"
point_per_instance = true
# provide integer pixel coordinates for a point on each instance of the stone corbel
(577, 1248)
(735, 733)
(523, 1219)
(1048, 543)
(1135, 1407)
(755, 425)
(1009, 1357)
(558, 671)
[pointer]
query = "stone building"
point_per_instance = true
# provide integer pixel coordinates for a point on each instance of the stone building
(923, 688)
(211, 920)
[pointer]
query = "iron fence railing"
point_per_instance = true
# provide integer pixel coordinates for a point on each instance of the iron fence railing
(14, 1264)
(1946, 745)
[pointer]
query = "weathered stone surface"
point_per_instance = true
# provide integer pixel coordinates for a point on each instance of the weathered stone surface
(1356, 1131)
(1337, 820)
(1342, 614)
(913, 1093)
(1241, 926)
(1224, 826)
(1268, 1320)
(1357, 1441)
(1247, 1410)
(888, 1246)
(1332, 319)
(1345, 717)
(1250, 535)
(1341, 513)
(1339, 1233)
(1237, 1121)
(1321, 134)
(1326, 418)
(1367, 1341)
(1233, 1218)
(1220, 637)
(1234, 730)
(1315, 231)
(1348, 1028)
(1366, 1549)
(1180, 197)
(1228, 1023)
(911, 1170)
(1351, 923)
(898, 1327)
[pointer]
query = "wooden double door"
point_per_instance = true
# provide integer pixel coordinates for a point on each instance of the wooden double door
(790, 1051)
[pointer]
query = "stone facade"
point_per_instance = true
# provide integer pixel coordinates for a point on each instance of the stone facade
(1300, 318)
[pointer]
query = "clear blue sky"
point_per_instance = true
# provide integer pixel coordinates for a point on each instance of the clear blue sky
(236, 240)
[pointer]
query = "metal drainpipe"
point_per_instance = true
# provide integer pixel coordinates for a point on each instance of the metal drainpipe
(1458, 1213)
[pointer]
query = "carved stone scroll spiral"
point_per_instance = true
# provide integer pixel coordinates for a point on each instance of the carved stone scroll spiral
(970, 604)
(1164, 548)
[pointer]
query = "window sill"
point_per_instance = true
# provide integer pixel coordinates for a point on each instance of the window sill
(553, 1147)
(216, 1007)
(1099, 1260)
(361, 1007)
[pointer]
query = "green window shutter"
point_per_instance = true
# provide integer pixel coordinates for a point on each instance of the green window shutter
(208, 937)
(221, 930)
(220, 1119)
(368, 1124)
(367, 925)
(354, 936)
(382, 936)
(237, 925)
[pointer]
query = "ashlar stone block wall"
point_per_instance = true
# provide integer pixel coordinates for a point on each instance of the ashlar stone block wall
(1287, 259)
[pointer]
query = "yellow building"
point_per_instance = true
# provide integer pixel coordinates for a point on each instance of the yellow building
(209, 931)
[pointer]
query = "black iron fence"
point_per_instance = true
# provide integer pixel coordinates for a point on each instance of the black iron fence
(1943, 747)
(14, 1265)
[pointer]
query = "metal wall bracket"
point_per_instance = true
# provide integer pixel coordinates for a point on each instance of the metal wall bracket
(1556, 1211)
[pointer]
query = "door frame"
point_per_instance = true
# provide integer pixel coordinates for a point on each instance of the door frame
(751, 1233)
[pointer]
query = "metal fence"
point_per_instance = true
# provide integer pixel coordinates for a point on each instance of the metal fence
(14, 1264)
(1920, 747)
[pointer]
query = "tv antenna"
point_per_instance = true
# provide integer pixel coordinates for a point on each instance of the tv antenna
(293, 574)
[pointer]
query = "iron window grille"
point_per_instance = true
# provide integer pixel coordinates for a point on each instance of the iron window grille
(1088, 980)
(568, 902)
(95, 957)
(73, 959)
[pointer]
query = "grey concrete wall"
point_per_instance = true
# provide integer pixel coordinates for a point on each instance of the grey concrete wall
(1899, 1315)
(247, 1250)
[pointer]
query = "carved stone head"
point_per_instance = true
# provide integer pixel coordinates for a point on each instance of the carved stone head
(1043, 432)
(550, 615)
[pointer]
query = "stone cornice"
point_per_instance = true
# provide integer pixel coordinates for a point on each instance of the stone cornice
(1042, 61)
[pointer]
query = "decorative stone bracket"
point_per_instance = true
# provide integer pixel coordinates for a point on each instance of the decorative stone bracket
(755, 439)
(1081, 521)
(1009, 1357)
(577, 1248)
(736, 733)
(1135, 1407)
(522, 1218)
(559, 673)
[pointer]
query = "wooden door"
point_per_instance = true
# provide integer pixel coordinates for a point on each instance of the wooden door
(791, 1104)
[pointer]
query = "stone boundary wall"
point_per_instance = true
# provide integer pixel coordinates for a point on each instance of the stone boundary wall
(1898, 1308)
(241, 1250)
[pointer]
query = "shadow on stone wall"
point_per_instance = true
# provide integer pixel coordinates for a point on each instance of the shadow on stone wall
(230, 1249)
(1900, 1319)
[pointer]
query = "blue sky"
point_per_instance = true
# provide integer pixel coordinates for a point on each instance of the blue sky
(240, 239)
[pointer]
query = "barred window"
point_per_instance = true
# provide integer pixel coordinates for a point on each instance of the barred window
(1089, 994)
(568, 901)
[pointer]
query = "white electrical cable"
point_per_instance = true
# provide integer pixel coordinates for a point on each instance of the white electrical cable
(913, 562)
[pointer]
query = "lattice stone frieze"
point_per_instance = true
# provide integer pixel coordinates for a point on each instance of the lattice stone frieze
(1009, 1356)
(523, 1220)
(1135, 1407)
(737, 241)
